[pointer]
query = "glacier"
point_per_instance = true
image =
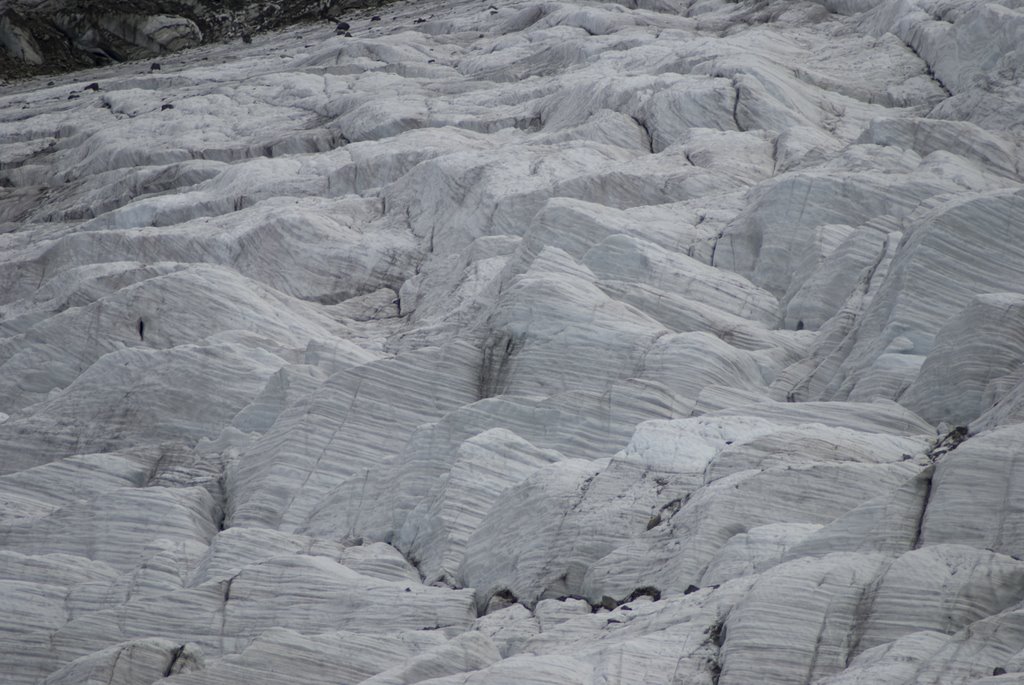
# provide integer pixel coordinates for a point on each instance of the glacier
(549, 342)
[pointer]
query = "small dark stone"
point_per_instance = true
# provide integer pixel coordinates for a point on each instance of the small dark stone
(93, 87)
(73, 96)
(246, 38)
(431, 61)
(690, 590)
(348, 35)
(343, 26)
(155, 66)
(998, 670)
(375, 18)
(652, 592)
(408, 589)
(608, 603)
(166, 107)
(106, 105)
(493, 11)
(421, 20)
(49, 83)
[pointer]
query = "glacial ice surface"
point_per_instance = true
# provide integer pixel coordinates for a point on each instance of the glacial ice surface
(669, 341)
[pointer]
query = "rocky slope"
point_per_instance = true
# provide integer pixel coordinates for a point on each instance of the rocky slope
(50, 36)
(542, 342)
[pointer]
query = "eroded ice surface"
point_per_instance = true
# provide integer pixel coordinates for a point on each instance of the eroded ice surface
(542, 342)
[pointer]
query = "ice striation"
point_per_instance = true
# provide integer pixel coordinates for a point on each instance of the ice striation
(543, 342)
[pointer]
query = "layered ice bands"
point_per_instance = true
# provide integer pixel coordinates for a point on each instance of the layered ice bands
(537, 342)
